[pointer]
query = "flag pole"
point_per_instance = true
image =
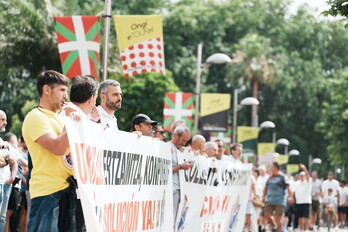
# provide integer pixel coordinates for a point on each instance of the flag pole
(107, 18)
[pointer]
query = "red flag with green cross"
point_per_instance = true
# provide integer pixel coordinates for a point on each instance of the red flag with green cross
(177, 106)
(78, 44)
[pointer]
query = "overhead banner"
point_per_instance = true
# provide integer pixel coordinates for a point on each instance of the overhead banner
(177, 106)
(265, 152)
(225, 137)
(214, 195)
(78, 44)
(248, 137)
(140, 41)
(124, 182)
(214, 111)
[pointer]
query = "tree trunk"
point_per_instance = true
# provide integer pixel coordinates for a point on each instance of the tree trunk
(254, 116)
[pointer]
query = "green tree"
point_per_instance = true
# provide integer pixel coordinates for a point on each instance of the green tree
(334, 119)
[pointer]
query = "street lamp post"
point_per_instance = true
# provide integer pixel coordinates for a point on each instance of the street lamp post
(311, 162)
(217, 58)
(285, 143)
(249, 101)
(269, 125)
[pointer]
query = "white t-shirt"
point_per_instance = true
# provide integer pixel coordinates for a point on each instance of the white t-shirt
(343, 195)
(107, 120)
(332, 184)
(316, 189)
(260, 184)
(303, 191)
(5, 172)
(330, 201)
(237, 161)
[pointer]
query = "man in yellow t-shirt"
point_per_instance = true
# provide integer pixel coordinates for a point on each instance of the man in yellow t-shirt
(47, 141)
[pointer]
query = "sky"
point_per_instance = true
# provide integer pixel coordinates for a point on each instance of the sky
(316, 7)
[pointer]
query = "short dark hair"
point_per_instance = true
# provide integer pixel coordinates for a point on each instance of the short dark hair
(83, 88)
(235, 145)
(50, 78)
(276, 164)
(8, 136)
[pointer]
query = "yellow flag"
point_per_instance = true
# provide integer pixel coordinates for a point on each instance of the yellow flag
(265, 148)
(246, 133)
(282, 159)
(212, 103)
(292, 168)
(140, 40)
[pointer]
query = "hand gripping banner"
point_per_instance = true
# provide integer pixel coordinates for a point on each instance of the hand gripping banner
(78, 44)
(140, 40)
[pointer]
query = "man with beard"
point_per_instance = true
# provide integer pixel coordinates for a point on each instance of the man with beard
(111, 100)
(3, 121)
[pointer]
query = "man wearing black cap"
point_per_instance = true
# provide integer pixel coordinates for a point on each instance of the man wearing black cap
(143, 124)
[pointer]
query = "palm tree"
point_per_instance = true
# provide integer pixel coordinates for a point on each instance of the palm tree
(253, 52)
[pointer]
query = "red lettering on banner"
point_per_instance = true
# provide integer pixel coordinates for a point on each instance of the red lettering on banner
(148, 208)
(214, 205)
(121, 217)
(90, 166)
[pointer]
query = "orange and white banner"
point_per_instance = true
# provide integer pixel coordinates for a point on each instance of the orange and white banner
(214, 195)
(124, 182)
(140, 40)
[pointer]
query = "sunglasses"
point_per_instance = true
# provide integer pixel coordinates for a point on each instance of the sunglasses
(161, 132)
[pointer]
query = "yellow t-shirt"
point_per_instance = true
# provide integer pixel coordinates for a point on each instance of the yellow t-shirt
(50, 171)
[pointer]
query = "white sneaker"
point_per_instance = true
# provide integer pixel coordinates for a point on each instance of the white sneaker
(336, 228)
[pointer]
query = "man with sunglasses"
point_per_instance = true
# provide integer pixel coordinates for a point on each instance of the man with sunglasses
(158, 132)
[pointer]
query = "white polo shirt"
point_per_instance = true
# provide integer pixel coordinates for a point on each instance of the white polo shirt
(303, 191)
(107, 120)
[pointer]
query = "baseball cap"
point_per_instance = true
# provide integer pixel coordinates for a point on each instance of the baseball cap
(139, 118)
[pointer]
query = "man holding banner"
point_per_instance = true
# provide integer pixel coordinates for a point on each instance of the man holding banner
(111, 100)
(179, 138)
(47, 141)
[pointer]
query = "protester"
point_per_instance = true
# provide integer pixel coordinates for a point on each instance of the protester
(342, 207)
(12, 219)
(303, 196)
(249, 224)
(111, 100)
(47, 141)
(259, 187)
(176, 124)
(83, 95)
(3, 121)
(330, 204)
(143, 124)
(274, 193)
(316, 192)
(158, 132)
(221, 150)
(331, 183)
(197, 145)
(211, 149)
(236, 152)
(180, 136)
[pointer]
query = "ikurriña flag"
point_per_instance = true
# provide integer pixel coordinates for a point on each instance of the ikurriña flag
(177, 106)
(140, 40)
(78, 44)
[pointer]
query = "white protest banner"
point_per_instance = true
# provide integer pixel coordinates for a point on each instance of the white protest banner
(124, 182)
(214, 195)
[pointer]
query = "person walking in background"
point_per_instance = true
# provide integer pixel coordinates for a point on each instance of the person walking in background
(303, 196)
(316, 192)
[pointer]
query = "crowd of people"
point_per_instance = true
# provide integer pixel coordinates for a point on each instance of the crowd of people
(48, 202)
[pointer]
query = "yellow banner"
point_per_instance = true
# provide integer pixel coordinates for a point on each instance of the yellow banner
(265, 148)
(214, 102)
(132, 29)
(246, 133)
(292, 168)
(282, 159)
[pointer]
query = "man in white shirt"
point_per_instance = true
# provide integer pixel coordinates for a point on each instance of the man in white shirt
(111, 100)
(331, 183)
(259, 187)
(302, 189)
(236, 152)
(316, 192)
(343, 204)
